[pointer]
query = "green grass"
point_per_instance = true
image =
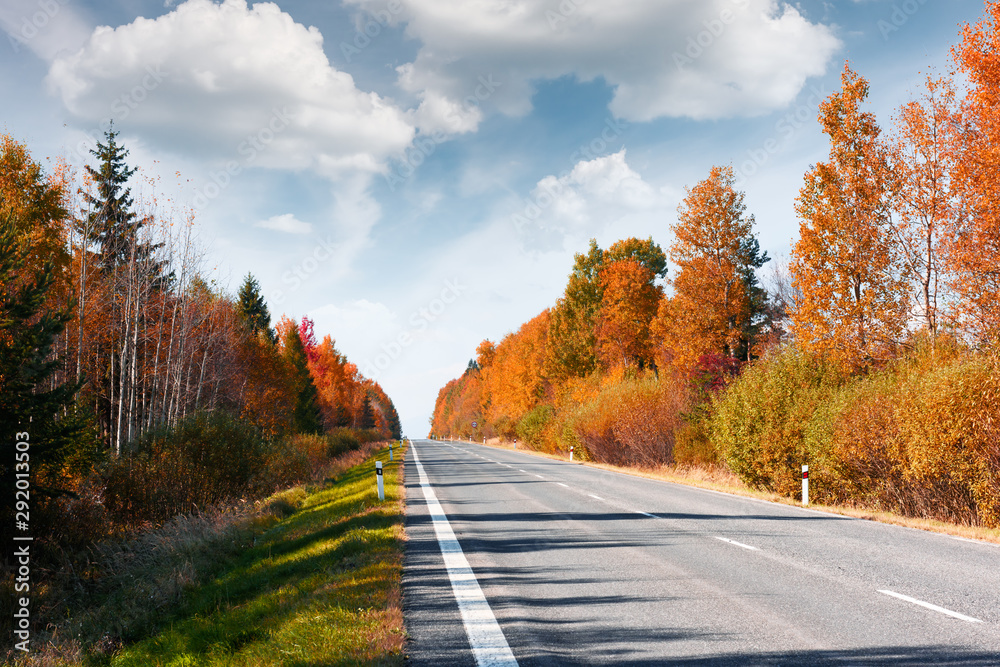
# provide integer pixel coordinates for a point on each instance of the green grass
(318, 587)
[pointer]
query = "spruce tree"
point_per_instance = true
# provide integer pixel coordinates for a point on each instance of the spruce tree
(112, 223)
(307, 413)
(253, 309)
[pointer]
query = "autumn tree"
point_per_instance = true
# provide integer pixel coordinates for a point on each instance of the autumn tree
(844, 263)
(973, 252)
(629, 300)
(929, 211)
(513, 379)
(717, 303)
(573, 322)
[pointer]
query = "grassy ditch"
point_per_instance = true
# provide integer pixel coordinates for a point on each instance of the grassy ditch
(313, 578)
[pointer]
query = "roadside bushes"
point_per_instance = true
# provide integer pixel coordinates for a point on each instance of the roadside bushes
(212, 458)
(633, 421)
(920, 436)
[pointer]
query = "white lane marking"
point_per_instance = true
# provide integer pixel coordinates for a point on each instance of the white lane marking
(980, 542)
(539, 476)
(735, 543)
(524, 471)
(651, 516)
(932, 607)
(489, 646)
(563, 485)
(595, 497)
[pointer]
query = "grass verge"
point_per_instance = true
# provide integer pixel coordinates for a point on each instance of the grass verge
(313, 578)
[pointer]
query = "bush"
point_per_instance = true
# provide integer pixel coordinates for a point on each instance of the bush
(531, 428)
(633, 421)
(204, 460)
(759, 424)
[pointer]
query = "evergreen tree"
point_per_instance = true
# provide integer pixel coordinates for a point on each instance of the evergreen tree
(57, 435)
(253, 309)
(367, 418)
(112, 223)
(307, 413)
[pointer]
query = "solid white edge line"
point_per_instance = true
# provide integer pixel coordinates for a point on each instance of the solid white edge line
(489, 645)
(735, 543)
(932, 607)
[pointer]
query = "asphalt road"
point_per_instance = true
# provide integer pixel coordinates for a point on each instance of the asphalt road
(584, 566)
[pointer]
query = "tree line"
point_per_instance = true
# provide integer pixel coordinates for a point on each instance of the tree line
(113, 341)
(893, 294)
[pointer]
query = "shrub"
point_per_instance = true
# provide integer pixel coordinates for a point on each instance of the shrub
(759, 424)
(633, 421)
(531, 427)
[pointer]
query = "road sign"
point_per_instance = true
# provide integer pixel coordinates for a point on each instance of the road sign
(475, 424)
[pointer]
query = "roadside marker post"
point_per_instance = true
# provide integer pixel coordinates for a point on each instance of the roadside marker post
(571, 452)
(378, 477)
(390, 451)
(805, 485)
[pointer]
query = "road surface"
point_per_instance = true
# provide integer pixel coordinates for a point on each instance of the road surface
(584, 566)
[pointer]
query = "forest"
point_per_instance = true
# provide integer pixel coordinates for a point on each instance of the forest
(873, 358)
(133, 389)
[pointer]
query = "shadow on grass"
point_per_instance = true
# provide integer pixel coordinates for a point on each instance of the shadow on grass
(337, 558)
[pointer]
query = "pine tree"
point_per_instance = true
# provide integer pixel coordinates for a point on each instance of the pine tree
(307, 413)
(253, 309)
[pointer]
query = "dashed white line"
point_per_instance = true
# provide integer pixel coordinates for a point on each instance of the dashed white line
(932, 607)
(595, 497)
(651, 516)
(735, 543)
(489, 645)
(563, 485)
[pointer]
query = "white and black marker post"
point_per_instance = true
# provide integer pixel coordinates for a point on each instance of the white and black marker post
(378, 477)
(805, 485)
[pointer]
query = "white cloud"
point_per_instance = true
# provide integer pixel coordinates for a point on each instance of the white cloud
(285, 223)
(599, 196)
(48, 28)
(709, 59)
(228, 82)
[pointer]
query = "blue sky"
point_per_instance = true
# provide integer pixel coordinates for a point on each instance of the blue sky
(416, 175)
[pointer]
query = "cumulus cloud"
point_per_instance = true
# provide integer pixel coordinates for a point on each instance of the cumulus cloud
(235, 83)
(285, 223)
(596, 195)
(664, 58)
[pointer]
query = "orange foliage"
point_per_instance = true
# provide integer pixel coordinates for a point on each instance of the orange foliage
(924, 156)
(715, 251)
(844, 264)
(512, 378)
(974, 254)
(628, 304)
